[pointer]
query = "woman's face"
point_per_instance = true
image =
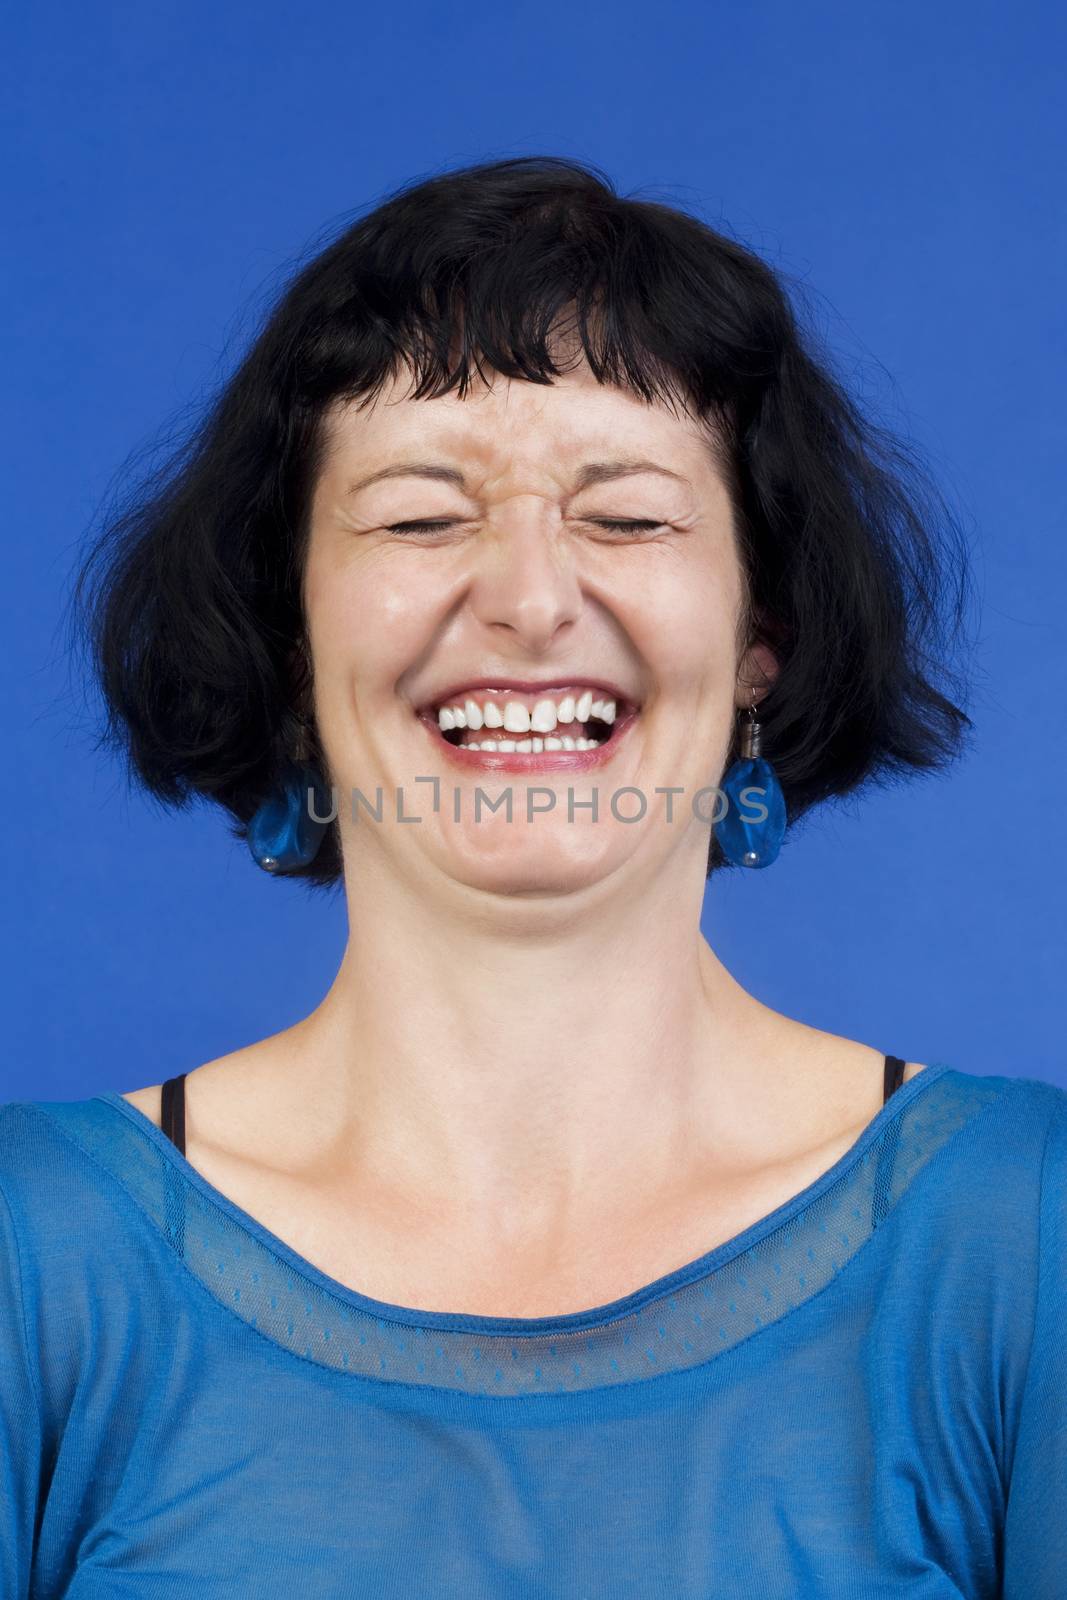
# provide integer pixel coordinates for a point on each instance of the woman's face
(521, 580)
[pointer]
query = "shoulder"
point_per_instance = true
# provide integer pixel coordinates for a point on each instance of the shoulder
(1010, 1123)
(978, 1160)
(1030, 1116)
(148, 1101)
(84, 1189)
(971, 1174)
(76, 1180)
(968, 1157)
(83, 1249)
(221, 1085)
(31, 1136)
(46, 1158)
(63, 1223)
(1026, 1105)
(1043, 1107)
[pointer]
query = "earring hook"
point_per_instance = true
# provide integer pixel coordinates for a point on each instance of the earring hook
(750, 733)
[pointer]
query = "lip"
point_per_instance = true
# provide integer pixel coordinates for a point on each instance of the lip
(462, 688)
(528, 762)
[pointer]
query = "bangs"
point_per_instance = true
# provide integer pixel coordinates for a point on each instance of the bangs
(527, 290)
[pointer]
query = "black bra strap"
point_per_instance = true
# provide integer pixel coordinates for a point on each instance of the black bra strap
(894, 1075)
(173, 1111)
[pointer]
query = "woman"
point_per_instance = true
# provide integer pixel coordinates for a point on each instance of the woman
(541, 1258)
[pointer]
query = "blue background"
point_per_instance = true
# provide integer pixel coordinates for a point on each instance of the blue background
(175, 162)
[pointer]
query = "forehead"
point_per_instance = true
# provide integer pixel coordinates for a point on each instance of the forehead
(504, 417)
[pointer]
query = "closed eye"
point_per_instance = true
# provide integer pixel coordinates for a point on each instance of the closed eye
(633, 525)
(416, 527)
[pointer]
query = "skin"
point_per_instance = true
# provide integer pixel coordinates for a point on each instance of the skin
(532, 1086)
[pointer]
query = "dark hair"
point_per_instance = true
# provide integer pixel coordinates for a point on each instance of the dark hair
(856, 572)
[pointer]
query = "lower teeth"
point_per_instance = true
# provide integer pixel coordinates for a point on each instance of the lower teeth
(533, 746)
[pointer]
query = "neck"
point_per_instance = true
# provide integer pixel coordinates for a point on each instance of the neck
(552, 1055)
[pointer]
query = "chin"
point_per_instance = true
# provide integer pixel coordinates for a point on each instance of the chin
(533, 870)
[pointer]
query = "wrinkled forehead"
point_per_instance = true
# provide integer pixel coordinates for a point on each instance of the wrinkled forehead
(500, 418)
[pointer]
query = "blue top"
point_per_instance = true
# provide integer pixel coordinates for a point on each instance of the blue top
(862, 1395)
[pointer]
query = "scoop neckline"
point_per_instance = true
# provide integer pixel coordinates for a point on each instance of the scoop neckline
(572, 1321)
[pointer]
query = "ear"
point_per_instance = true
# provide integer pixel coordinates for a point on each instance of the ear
(755, 675)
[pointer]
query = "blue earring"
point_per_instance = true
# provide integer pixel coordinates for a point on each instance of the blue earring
(751, 785)
(286, 831)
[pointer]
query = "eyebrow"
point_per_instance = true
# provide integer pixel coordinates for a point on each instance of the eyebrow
(592, 472)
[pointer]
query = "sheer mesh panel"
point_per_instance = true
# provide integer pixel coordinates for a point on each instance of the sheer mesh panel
(680, 1321)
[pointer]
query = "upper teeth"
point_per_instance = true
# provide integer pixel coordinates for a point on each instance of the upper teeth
(517, 717)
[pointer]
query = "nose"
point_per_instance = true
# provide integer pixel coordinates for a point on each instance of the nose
(525, 580)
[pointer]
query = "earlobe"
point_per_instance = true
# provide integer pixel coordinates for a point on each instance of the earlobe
(756, 675)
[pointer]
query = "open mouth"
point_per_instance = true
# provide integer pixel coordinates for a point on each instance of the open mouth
(579, 722)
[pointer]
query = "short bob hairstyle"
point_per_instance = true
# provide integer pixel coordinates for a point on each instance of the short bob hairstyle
(856, 574)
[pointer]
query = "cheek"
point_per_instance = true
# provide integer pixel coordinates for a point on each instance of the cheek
(364, 623)
(686, 620)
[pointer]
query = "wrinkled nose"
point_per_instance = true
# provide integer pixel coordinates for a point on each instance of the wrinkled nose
(526, 581)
